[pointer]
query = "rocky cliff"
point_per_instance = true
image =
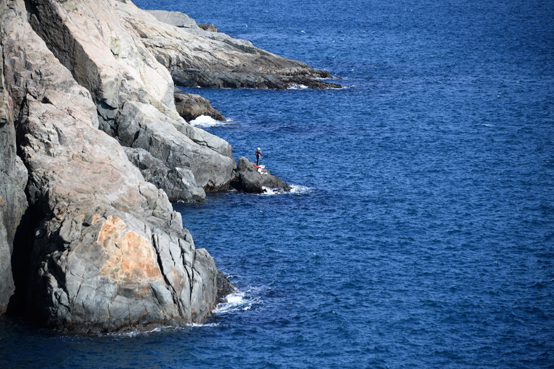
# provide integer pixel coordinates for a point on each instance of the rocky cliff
(197, 57)
(92, 145)
(108, 250)
(13, 202)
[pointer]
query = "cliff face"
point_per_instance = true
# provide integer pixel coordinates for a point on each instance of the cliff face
(13, 203)
(87, 117)
(108, 250)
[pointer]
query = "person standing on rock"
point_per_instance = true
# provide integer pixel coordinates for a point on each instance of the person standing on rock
(258, 156)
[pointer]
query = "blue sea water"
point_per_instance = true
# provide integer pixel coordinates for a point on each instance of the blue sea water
(420, 232)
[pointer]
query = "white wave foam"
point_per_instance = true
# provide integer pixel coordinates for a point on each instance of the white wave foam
(133, 333)
(277, 191)
(297, 87)
(156, 330)
(238, 301)
(196, 325)
(300, 189)
(271, 191)
(206, 121)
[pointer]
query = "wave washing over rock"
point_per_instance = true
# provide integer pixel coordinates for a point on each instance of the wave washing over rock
(94, 148)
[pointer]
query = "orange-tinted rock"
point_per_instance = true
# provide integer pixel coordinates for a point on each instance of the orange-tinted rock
(131, 257)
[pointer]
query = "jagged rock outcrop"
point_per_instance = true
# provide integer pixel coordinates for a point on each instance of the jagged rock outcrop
(13, 202)
(234, 79)
(249, 179)
(109, 251)
(191, 106)
(224, 286)
(132, 91)
(178, 183)
(213, 59)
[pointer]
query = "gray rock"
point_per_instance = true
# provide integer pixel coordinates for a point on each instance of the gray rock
(191, 106)
(222, 61)
(13, 202)
(132, 91)
(224, 286)
(185, 24)
(177, 19)
(108, 252)
(250, 180)
(143, 126)
(231, 79)
(178, 183)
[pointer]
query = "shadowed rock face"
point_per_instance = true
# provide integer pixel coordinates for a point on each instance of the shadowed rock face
(13, 202)
(231, 79)
(109, 252)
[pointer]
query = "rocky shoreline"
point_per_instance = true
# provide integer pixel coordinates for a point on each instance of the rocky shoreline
(96, 143)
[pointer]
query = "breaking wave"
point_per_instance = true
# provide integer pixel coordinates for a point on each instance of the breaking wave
(206, 121)
(297, 87)
(238, 301)
(295, 189)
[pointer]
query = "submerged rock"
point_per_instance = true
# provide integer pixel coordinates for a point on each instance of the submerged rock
(250, 179)
(191, 106)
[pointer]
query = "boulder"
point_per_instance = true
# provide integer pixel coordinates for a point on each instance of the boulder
(191, 106)
(178, 183)
(249, 179)
(108, 252)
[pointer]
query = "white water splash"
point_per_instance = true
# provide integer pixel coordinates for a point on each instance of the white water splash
(271, 191)
(296, 189)
(196, 325)
(297, 87)
(206, 121)
(238, 301)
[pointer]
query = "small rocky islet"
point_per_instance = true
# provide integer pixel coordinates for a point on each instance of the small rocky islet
(96, 143)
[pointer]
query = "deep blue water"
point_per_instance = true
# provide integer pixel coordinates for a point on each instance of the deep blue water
(421, 229)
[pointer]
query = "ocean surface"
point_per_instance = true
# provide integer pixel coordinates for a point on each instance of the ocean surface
(420, 231)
